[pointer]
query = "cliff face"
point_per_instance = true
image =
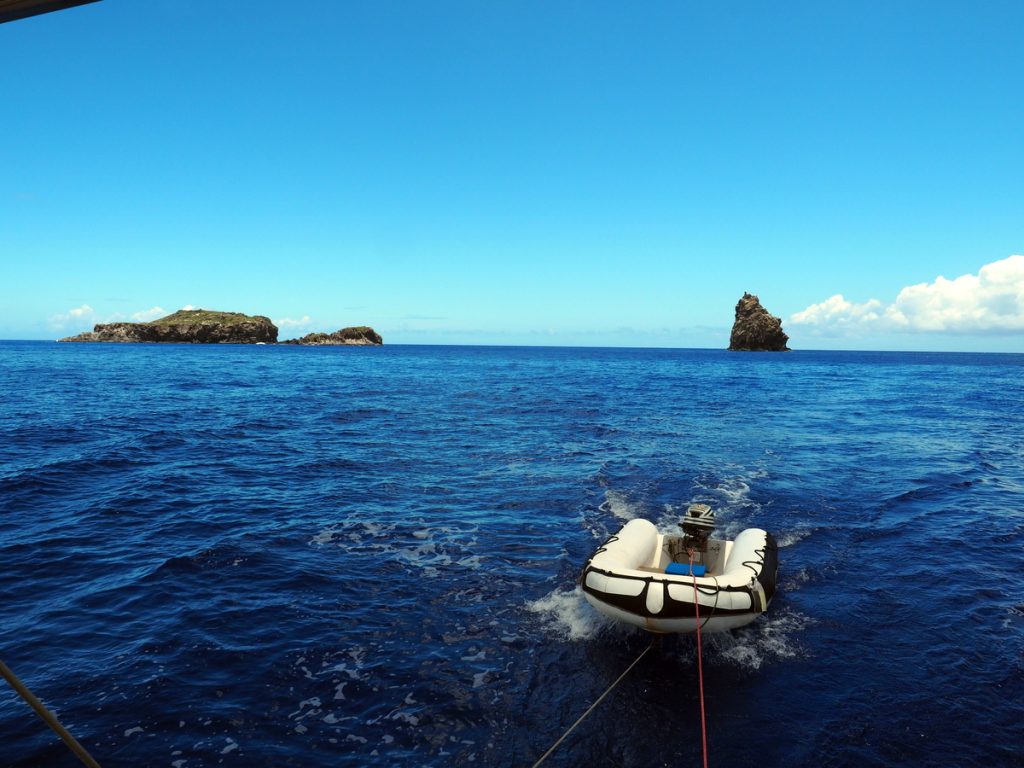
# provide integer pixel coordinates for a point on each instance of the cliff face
(188, 326)
(361, 335)
(755, 330)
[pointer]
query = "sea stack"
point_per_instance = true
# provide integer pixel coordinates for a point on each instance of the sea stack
(188, 326)
(755, 330)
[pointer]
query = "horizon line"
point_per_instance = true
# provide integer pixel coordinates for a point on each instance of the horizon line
(527, 346)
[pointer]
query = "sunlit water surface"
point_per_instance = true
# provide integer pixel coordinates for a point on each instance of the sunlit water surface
(268, 556)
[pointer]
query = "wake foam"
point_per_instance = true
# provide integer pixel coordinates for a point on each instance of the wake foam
(729, 497)
(413, 544)
(773, 637)
(619, 505)
(729, 494)
(790, 538)
(567, 614)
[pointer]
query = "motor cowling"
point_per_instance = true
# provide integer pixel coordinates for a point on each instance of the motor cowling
(697, 525)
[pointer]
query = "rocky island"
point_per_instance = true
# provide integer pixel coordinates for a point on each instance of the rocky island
(204, 326)
(188, 326)
(360, 335)
(755, 330)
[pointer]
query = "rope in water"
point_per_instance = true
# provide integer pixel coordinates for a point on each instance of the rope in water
(592, 706)
(51, 720)
(700, 666)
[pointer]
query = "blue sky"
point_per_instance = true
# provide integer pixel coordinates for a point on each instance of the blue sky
(520, 172)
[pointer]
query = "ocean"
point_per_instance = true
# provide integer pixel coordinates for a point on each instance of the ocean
(290, 556)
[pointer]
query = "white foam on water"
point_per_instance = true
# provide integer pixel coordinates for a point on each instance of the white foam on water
(790, 538)
(357, 658)
(772, 638)
(735, 490)
(619, 505)
(729, 493)
(728, 497)
(672, 514)
(325, 536)
(793, 580)
(351, 531)
(424, 555)
(566, 613)
(424, 548)
(314, 710)
(405, 717)
(670, 517)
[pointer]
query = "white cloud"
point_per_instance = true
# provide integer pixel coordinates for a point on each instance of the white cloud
(990, 302)
(287, 322)
(79, 316)
(187, 308)
(149, 314)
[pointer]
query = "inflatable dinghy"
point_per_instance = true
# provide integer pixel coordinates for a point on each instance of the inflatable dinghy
(643, 577)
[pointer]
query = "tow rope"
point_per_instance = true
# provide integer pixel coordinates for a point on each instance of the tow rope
(654, 641)
(601, 698)
(700, 666)
(51, 720)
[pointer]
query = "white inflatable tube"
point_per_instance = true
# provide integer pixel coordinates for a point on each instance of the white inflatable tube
(620, 582)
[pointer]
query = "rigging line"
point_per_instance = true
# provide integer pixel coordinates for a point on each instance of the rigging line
(594, 705)
(51, 720)
(718, 592)
(700, 665)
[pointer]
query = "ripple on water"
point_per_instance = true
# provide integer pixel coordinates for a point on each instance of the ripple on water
(325, 557)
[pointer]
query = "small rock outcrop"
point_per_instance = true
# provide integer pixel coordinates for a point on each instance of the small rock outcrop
(188, 326)
(755, 330)
(360, 335)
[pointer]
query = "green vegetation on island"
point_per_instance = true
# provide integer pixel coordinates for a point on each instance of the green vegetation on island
(191, 316)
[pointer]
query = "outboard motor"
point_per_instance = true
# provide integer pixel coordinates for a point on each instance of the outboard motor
(697, 525)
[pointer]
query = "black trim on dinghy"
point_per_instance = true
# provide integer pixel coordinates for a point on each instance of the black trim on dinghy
(769, 567)
(764, 570)
(671, 609)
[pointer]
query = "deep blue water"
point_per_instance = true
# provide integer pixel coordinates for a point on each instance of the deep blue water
(263, 556)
